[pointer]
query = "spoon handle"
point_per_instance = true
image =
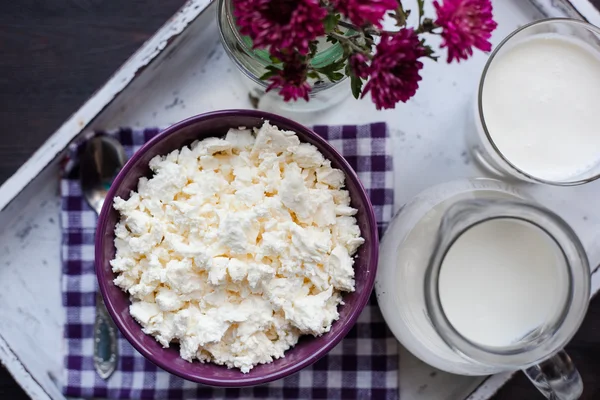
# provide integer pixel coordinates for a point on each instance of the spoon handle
(105, 341)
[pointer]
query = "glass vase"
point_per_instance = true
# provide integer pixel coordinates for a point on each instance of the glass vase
(252, 63)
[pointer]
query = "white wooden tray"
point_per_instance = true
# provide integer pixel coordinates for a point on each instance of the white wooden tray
(183, 70)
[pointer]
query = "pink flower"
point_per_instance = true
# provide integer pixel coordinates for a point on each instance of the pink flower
(465, 24)
(359, 65)
(280, 24)
(364, 12)
(395, 69)
(291, 80)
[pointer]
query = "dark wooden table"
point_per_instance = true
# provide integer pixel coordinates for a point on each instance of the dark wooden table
(55, 53)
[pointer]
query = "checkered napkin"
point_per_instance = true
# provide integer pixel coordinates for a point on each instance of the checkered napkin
(363, 365)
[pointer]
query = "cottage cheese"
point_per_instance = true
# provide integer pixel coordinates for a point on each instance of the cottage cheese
(236, 247)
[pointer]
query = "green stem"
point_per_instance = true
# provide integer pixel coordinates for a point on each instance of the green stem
(346, 40)
(420, 5)
(426, 27)
(348, 25)
(370, 30)
(401, 15)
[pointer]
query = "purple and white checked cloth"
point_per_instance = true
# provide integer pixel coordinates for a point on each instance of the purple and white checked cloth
(363, 365)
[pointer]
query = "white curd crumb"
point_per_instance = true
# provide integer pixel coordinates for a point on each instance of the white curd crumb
(237, 246)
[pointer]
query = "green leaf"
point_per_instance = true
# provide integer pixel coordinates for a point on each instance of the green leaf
(312, 47)
(267, 75)
(429, 52)
(399, 15)
(347, 51)
(428, 25)
(330, 22)
(356, 84)
(333, 67)
(314, 75)
(335, 76)
(369, 42)
(274, 59)
(271, 71)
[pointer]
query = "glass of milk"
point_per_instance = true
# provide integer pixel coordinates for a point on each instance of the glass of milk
(475, 278)
(535, 115)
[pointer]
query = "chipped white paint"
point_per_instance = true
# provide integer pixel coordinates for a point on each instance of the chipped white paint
(490, 386)
(24, 378)
(191, 75)
(31, 316)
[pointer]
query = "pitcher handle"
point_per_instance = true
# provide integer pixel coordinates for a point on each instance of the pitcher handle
(557, 378)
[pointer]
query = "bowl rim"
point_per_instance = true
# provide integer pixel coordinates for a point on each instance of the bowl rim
(246, 379)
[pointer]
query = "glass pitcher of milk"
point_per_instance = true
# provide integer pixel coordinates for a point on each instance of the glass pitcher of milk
(475, 278)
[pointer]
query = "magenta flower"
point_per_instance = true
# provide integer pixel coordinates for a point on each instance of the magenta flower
(280, 24)
(364, 12)
(291, 80)
(395, 69)
(465, 24)
(359, 65)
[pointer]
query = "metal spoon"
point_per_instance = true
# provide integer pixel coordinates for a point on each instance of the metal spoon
(102, 159)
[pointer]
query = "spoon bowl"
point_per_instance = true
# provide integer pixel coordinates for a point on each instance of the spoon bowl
(102, 160)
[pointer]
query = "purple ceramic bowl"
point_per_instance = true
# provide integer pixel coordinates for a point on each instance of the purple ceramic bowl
(309, 349)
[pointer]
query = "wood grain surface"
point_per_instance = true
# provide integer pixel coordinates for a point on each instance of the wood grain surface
(55, 53)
